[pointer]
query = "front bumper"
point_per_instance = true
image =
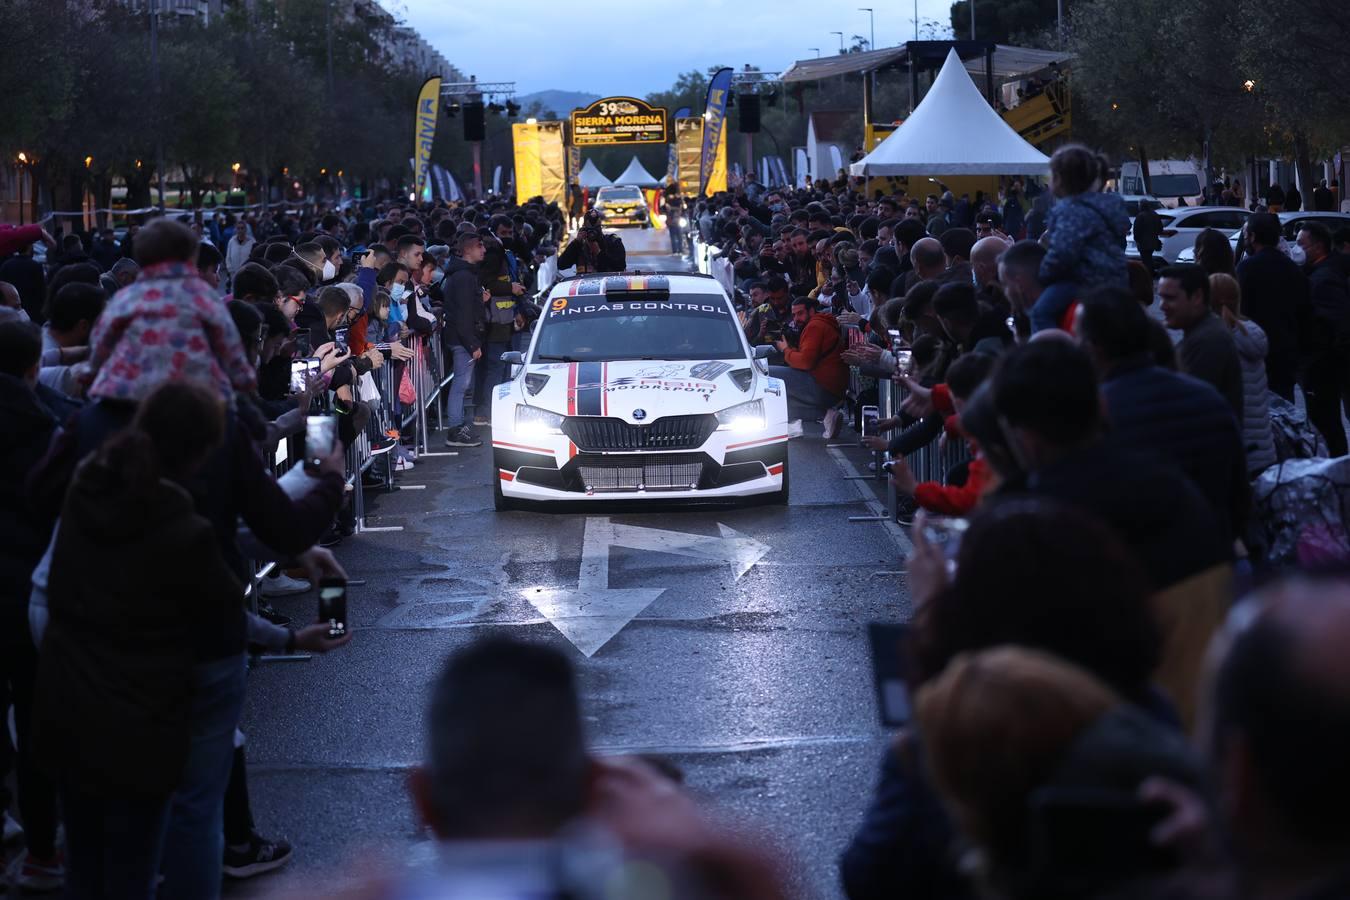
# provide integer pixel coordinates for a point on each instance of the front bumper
(741, 468)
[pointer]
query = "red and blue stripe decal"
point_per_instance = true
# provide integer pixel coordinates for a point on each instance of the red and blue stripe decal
(590, 389)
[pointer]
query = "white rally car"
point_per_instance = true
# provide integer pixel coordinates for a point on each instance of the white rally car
(639, 387)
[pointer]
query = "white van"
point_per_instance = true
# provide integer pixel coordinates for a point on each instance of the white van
(1172, 179)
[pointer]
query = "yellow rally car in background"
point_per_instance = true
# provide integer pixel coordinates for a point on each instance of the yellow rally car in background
(622, 204)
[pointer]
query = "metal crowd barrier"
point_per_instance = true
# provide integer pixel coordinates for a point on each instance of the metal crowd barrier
(932, 462)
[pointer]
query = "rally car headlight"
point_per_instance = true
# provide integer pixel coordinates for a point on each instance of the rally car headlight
(531, 420)
(742, 417)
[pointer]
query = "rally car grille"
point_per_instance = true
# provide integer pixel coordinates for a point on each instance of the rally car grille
(656, 472)
(611, 435)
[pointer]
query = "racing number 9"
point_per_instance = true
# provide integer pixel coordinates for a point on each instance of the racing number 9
(560, 304)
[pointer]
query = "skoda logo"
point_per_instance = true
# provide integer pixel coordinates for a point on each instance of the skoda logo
(639, 415)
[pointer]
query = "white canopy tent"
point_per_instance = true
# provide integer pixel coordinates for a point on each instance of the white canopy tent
(954, 131)
(636, 175)
(592, 177)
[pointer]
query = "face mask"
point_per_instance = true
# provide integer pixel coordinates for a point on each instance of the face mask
(328, 270)
(396, 292)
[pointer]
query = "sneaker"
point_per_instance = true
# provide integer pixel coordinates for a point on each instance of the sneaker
(403, 465)
(258, 856)
(35, 876)
(481, 421)
(381, 444)
(905, 510)
(12, 830)
(371, 479)
(331, 538)
(462, 437)
(266, 610)
(283, 586)
(833, 422)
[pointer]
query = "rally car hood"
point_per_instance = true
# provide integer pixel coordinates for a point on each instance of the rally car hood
(640, 391)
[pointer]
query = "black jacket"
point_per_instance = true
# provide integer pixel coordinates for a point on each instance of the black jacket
(1329, 301)
(1274, 296)
(1185, 421)
(465, 316)
(1154, 508)
(28, 427)
(613, 257)
(1209, 352)
(136, 573)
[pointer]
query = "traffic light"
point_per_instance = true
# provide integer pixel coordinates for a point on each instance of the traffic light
(749, 119)
(475, 127)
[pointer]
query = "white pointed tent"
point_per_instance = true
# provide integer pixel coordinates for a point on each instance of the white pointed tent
(592, 177)
(954, 131)
(636, 175)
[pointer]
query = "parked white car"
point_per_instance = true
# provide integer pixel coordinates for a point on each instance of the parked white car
(1180, 226)
(1290, 223)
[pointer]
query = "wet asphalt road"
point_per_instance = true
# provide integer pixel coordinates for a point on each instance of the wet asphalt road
(758, 686)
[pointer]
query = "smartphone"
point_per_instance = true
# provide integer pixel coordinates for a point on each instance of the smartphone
(340, 340)
(945, 533)
(869, 421)
(903, 358)
(301, 371)
(896, 339)
(891, 672)
(320, 438)
(333, 605)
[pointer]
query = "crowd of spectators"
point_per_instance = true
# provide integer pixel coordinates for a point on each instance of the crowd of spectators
(1117, 420)
(147, 386)
(1103, 707)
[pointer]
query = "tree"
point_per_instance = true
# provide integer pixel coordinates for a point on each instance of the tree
(1001, 20)
(200, 107)
(1300, 92)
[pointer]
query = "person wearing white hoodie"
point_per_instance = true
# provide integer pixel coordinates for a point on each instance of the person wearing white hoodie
(239, 249)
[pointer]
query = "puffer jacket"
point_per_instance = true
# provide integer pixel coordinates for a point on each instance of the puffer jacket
(1086, 241)
(1258, 440)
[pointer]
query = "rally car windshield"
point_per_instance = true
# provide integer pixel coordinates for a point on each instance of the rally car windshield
(676, 327)
(609, 196)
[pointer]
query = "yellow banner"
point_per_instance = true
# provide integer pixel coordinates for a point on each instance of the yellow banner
(525, 140)
(717, 181)
(688, 150)
(552, 165)
(424, 134)
(541, 161)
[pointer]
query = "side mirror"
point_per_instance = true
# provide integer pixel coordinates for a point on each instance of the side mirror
(763, 351)
(514, 358)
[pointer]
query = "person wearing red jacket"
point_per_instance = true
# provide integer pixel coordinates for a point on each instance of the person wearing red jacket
(815, 374)
(963, 378)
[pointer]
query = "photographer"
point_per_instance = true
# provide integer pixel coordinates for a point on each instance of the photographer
(594, 251)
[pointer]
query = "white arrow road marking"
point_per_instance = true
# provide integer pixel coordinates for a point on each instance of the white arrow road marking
(593, 613)
(740, 550)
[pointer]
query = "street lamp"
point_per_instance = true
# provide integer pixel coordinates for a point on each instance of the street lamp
(235, 168)
(841, 41)
(23, 157)
(1249, 85)
(817, 49)
(872, 23)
